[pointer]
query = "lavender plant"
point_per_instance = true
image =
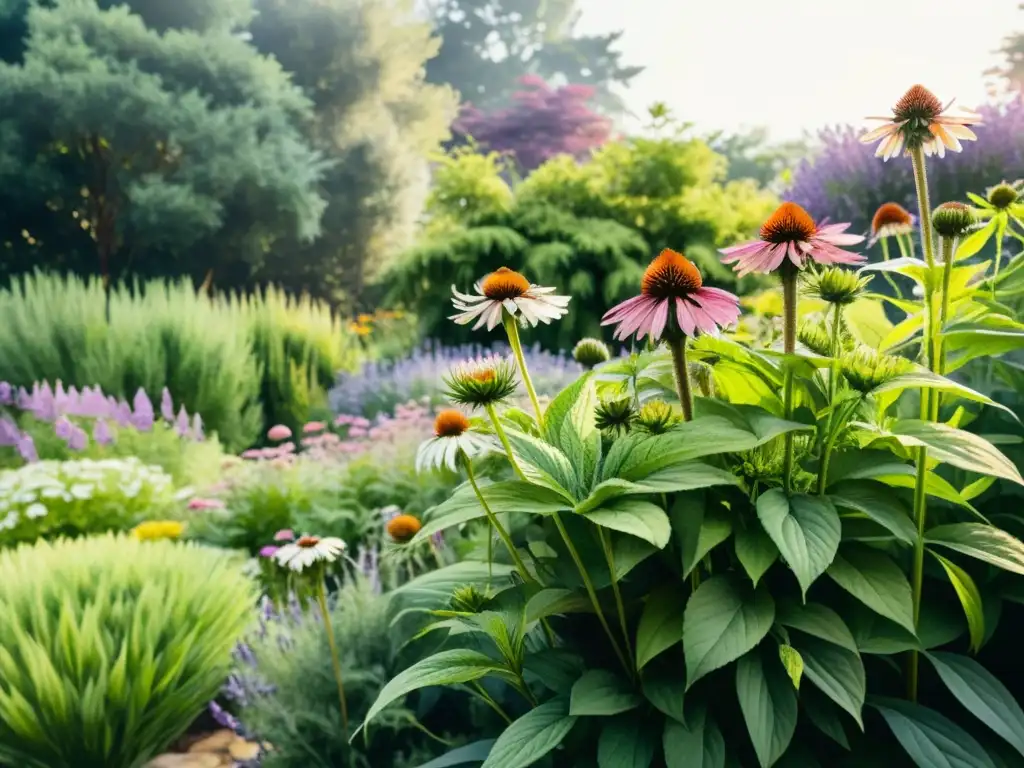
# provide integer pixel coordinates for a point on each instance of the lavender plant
(712, 552)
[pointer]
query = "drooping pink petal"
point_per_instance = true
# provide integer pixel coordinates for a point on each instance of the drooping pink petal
(620, 310)
(686, 322)
(659, 320)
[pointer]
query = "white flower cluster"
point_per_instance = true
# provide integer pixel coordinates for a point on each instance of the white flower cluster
(32, 491)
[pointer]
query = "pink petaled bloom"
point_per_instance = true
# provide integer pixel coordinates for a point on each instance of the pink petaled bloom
(268, 551)
(199, 503)
(252, 453)
(285, 448)
(672, 288)
(791, 233)
(313, 426)
(285, 534)
(357, 432)
(919, 120)
(360, 422)
(278, 432)
(343, 419)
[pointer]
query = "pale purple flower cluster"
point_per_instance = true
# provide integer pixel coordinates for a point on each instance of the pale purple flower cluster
(64, 407)
(379, 386)
(10, 435)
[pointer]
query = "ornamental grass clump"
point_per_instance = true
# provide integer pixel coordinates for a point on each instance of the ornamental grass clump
(111, 647)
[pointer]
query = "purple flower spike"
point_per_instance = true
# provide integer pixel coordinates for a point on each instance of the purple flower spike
(142, 411)
(64, 428)
(123, 414)
(101, 433)
(9, 432)
(78, 439)
(223, 717)
(27, 449)
(182, 424)
(6, 393)
(166, 405)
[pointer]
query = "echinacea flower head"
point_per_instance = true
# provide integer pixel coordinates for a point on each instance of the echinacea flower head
(953, 219)
(657, 417)
(1004, 195)
(865, 369)
(790, 236)
(279, 432)
(505, 291)
(815, 336)
(401, 528)
(614, 417)
(481, 382)
(672, 298)
(591, 352)
(919, 121)
(152, 530)
(468, 599)
(453, 437)
(285, 534)
(309, 550)
(836, 285)
(890, 220)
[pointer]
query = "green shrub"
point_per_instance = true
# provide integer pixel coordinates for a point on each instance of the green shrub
(47, 499)
(111, 647)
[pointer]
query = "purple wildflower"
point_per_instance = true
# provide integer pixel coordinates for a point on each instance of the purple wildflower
(166, 405)
(182, 425)
(268, 551)
(9, 432)
(101, 432)
(223, 717)
(64, 429)
(27, 449)
(6, 393)
(142, 411)
(78, 439)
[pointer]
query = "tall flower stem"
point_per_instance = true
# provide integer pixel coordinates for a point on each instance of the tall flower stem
(496, 524)
(833, 380)
(321, 598)
(512, 329)
(884, 242)
(947, 277)
(1000, 234)
(499, 430)
(789, 274)
(920, 492)
(678, 346)
(609, 555)
(591, 591)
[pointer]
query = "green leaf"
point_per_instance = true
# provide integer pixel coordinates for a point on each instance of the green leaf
(835, 671)
(923, 378)
(975, 489)
(555, 668)
(757, 421)
(806, 529)
(875, 580)
(865, 465)
(956, 447)
(698, 529)
(824, 715)
(457, 665)
(532, 736)
(768, 702)
(755, 550)
(723, 621)
(793, 663)
(877, 502)
(666, 692)
(544, 464)
(982, 695)
(471, 753)
(967, 341)
(573, 408)
(608, 491)
(687, 476)
(819, 621)
(974, 242)
(600, 692)
(982, 542)
(698, 744)
(638, 518)
(625, 742)
(661, 624)
(970, 599)
(931, 740)
(555, 601)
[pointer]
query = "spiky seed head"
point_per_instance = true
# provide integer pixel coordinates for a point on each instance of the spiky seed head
(953, 219)
(836, 285)
(591, 352)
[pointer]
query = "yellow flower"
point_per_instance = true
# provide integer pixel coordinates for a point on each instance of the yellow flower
(151, 530)
(364, 319)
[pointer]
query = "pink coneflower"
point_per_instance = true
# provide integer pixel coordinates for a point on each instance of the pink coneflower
(285, 534)
(672, 282)
(201, 503)
(268, 551)
(312, 427)
(919, 122)
(791, 232)
(252, 453)
(278, 432)
(505, 291)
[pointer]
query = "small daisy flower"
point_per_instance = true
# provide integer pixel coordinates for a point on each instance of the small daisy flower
(452, 438)
(919, 121)
(891, 220)
(482, 382)
(791, 233)
(507, 291)
(401, 528)
(672, 282)
(309, 550)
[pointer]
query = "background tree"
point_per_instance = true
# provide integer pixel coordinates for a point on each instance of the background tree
(123, 149)
(752, 155)
(375, 122)
(1009, 74)
(542, 123)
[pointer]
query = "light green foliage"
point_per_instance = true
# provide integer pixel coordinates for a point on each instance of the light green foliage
(112, 647)
(48, 499)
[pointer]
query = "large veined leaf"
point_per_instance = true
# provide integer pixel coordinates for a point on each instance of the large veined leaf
(665, 692)
(722, 621)
(603, 693)
(687, 476)
(697, 744)
(768, 702)
(543, 464)
(982, 695)
(532, 736)
(661, 623)
(505, 496)
(698, 527)
(923, 378)
(931, 740)
(970, 598)
(574, 406)
(955, 446)
(636, 517)
(877, 502)
(462, 756)
(609, 490)
(982, 542)
(836, 671)
(818, 621)
(457, 665)
(806, 529)
(755, 550)
(824, 715)
(966, 341)
(974, 242)
(865, 465)
(874, 579)
(626, 742)
(757, 421)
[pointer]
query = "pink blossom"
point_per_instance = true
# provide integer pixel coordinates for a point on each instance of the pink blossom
(268, 551)
(285, 534)
(279, 432)
(201, 503)
(313, 426)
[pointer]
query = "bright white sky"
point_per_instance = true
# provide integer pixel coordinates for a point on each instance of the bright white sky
(795, 65)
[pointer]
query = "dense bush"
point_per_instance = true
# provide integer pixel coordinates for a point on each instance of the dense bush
(111, 647)
(47, 499)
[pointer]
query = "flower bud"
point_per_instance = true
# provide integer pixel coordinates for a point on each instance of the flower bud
(591, 352)
(953, 219)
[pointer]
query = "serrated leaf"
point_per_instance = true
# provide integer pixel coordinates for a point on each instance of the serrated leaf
(875, 580)
(877, 502)
(768, 702)
(806, 529)
(532, 736)
(661, 624)
(956, 447)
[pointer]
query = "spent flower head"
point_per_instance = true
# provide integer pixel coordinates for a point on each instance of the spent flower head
(953, 219)
(506, 291)
(481, 382)
(401, 528)
(657, 417)
(591, 352)
(865, 369)
(919, 120)
(835, 285)
(791, 236)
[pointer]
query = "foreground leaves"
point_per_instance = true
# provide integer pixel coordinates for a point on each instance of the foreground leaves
(768, 701)
(806, 529)
(698, 744)
(532, 736)
(931, 740)
(874, 579)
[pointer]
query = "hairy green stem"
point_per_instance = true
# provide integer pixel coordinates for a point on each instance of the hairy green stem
(496, 524)
(947, 276)
(884, 242)
(591, 592)
(321, 598)
(833, 380)
(499, 430)
(678, 346)
(512, 329)
(789, 274)
(483, 694)
(609, 556)
(999, 259)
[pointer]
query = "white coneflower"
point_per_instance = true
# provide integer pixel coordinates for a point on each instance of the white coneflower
(920, 120)
(890, 220)
(452, 438)
(309, 550)
(507, 291)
